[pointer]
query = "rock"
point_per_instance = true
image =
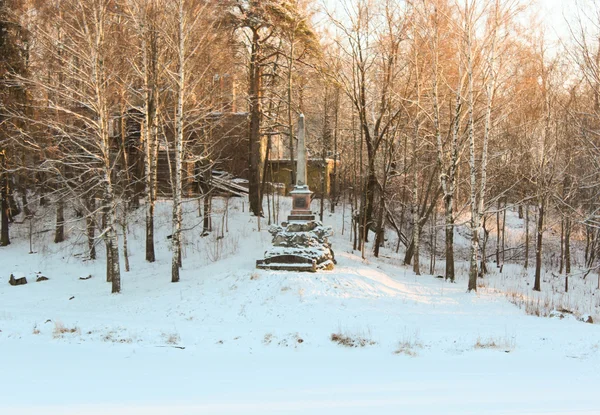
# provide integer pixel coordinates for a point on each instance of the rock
(564, 310)
(586, 319)
(86, 278)
(41, 278)
(556, 314)
(17, 281)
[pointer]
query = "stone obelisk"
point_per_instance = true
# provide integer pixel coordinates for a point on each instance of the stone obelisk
(301, 193)
(301, 170)
(301, 243)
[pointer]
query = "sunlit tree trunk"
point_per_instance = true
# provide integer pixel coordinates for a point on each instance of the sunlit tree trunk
(178, 147)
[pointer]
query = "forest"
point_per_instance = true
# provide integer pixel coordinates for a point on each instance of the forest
(436, 114)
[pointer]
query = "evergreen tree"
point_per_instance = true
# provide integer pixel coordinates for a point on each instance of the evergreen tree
(13, 43)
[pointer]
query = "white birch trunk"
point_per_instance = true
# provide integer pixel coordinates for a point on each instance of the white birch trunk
(473, 271)
(96, 40)
(490, 92)
(415, 203)
(415, 183)
(179, 137)
(149, 138)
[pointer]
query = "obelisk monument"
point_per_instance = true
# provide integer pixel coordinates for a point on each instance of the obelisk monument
(301, 243)
(301, 170)
(301, 193)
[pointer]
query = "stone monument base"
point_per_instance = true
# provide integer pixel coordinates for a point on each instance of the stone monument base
(299, 246)
(301, 218)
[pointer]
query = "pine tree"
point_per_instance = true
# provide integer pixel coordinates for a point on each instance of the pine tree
(12, 94)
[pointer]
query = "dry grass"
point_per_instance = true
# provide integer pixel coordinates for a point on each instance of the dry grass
(36, 331)
(60, 330)
(113, 337)
(580, 301)
(409, 345)
(507, 344)
(351, 341)
(172, 338)
(536, 305)
(254, 276)
(217, 248)
(290, 340)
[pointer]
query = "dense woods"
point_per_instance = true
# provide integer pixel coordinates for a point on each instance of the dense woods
(437, 114)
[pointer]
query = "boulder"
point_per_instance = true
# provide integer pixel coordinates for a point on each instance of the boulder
(587, 319)
(17, 280)
(41, 278)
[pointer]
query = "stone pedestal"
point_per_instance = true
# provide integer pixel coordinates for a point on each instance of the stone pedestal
(299, 246)
(301, 205)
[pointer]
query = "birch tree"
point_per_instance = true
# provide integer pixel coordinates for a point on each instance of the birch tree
(144, 16)
(191, 37)
(78, 110)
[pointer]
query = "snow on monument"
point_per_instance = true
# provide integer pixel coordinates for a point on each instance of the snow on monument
(301, 243)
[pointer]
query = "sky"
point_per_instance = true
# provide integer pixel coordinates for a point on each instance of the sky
(553, 12)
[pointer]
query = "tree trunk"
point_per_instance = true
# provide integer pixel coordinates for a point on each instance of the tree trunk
(587, 244)
(334, 196)
(150, 132)
(473, 271)
(498, 235)
(369, 200)
(4, 235)
(116, 271)
(379, 227)
(91, 226)
(255, 140)
(538, 247)
(113, 270)
(109, 253)
(433, 243)
(526, 236)
(449, 219)
(323, 178)
(42, 181)
(206, 218)
(562, 246)
(113, 245)
(447, 181)
(178, 147)
(482, 263)
(503, 235)
(568, 246)
(59, 233)
(150, 255)
(24, 201)
(125, 249)
(415, 200)
(206, 222)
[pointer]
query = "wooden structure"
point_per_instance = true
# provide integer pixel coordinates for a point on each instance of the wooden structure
(280, 171)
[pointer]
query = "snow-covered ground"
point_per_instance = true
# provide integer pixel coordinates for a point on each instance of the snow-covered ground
(230, 339)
